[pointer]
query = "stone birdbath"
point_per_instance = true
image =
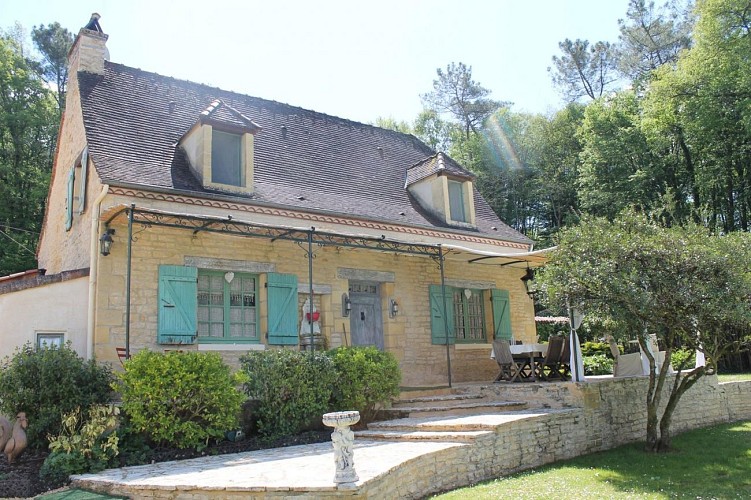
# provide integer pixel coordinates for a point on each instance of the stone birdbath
(343, 440)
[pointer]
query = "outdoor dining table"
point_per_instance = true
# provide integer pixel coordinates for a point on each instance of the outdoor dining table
(527, 353)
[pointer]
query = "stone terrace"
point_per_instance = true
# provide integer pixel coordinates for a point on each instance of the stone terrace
(414, 457)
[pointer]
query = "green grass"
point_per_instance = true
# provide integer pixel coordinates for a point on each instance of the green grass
(733, 377)
(711, 463)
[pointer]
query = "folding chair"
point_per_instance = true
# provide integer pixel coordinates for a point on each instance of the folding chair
(509, 370)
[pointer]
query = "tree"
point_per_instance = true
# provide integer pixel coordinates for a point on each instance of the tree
(683, 284)
(583, 70)
(28, 127)
(651, 37)
(54, 42)
(392, 124)
(467, 101)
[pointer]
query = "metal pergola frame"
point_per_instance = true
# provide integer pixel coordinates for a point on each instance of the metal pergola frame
(148, 218)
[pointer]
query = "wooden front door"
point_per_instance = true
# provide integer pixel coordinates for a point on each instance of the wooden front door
(365, 319)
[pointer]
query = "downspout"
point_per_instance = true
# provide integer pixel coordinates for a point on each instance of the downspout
(93, 268)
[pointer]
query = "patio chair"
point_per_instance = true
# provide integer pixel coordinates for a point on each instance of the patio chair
(551, 361)
(509, 370)
(564, 367)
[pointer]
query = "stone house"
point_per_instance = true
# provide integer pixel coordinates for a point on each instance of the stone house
(182, 216)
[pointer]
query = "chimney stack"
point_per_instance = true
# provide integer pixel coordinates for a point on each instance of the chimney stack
(89, 51)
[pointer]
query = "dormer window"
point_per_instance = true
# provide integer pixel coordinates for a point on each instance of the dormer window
(226, 159)
(443, 188)
(457, 208)
(220, 148)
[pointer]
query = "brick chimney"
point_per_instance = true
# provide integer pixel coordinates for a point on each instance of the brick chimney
(89, 51)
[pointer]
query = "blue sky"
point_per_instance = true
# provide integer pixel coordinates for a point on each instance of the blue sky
(353, 59)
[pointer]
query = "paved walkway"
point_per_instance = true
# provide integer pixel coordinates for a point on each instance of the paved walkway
(308, 470)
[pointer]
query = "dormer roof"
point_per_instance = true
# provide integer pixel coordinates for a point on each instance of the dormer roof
(437, 164)
(222, 114)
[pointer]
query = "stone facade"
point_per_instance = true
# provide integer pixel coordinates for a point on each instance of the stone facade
(407, 335)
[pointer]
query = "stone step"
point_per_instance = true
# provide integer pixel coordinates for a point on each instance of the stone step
(449, 424)
(480, 406)
(445, 437)
(431, 401)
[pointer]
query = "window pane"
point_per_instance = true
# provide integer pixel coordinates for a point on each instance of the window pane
(226, 310)
(226, 164)
(456, 201)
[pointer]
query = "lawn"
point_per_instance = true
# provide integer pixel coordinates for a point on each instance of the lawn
(733, 377)
(706, 463)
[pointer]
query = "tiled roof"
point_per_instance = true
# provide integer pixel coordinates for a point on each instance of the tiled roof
(436, 164)
(302, 159)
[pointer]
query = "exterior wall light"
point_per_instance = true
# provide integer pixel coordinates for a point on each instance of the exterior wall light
(105, 242)
(529, 276)
(393, 308)
(346, 305)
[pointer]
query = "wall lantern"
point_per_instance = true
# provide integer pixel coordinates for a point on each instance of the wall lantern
(393, 308)
(105, 242)
(529, 276)
(346, 305)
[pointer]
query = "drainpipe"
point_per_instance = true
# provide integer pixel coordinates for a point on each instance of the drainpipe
(93, 267)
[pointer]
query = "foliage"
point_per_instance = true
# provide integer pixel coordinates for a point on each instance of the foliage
(583, 70)
(456, 93)
(59, 466)
(84, 444)
(180, 399)
(593, 348)
(294, 388)
(28, 130)
(683, 358)
(707, 463)
(48, 383)
(54, 43)
(597, 364)
(688, 287)
(366, 379)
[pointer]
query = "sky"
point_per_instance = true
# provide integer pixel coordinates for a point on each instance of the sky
(358, 60)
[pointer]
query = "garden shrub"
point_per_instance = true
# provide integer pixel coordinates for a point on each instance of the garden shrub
(293, 389)
(592, 348)
(47, 383)
(85, 444)
(366, 378)
(597, 364)
(181, 400)
(679, 356)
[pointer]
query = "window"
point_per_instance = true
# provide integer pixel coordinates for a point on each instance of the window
(469, 316)
(226, 159)
(456, 201)
(47, 340)
(227, 309)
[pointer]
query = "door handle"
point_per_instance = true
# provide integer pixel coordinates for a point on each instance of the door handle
(362, 315)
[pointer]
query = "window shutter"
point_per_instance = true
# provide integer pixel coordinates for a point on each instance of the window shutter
(438, 323)
(69, 200)
(178, 297)
(84, 172)
(501, 314)
(282, 299)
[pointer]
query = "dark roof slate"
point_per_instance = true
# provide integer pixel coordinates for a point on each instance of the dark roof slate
(302, 159)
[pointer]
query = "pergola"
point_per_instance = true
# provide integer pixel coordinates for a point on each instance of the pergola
(305, 238)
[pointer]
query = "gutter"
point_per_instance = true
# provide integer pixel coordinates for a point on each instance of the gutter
(93, 270)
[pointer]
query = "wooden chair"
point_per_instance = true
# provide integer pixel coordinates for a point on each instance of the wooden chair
(121, 354)
(509, 370)
(564, 367)
(551, 361)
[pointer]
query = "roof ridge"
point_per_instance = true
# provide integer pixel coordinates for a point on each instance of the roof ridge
(217, 104)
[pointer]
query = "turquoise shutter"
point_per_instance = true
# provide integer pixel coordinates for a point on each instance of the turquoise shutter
(282, 299)
(84, 171)
(178, 297)
(501, 314)
(69, 201)
(438, 323)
